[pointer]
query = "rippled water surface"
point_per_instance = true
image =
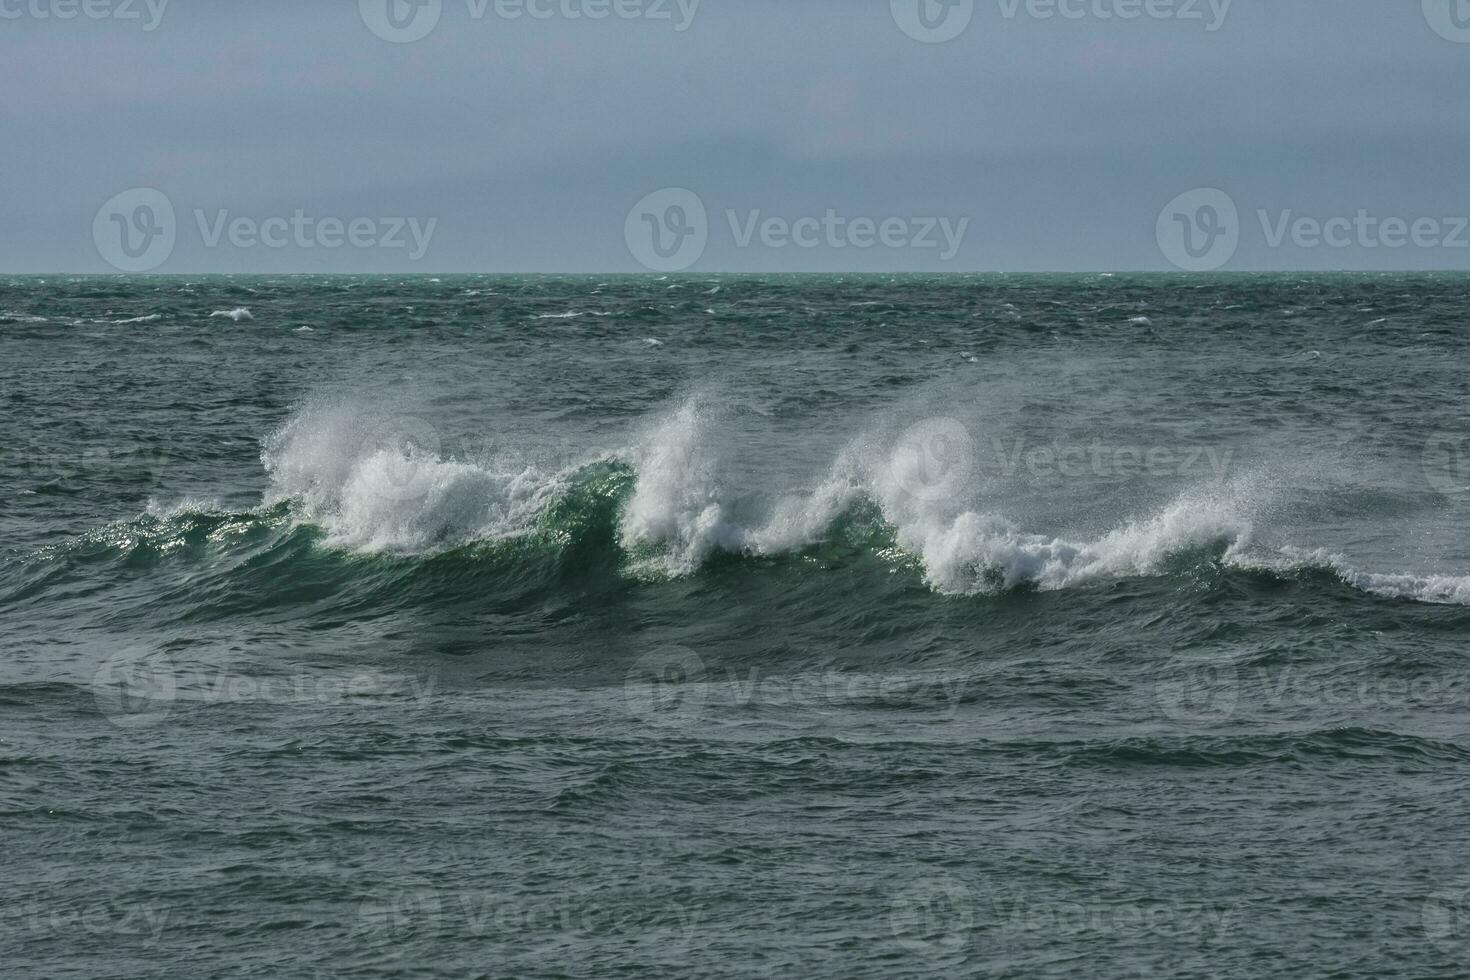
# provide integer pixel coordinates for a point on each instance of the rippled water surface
(729, 626)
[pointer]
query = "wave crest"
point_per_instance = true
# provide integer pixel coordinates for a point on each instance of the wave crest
(379, 485)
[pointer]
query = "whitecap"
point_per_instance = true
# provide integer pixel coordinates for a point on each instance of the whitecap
(378, 484)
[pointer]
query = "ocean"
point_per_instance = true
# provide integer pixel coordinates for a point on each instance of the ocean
(706, 626)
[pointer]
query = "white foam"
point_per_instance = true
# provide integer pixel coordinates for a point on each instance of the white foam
(967, 550)
(376, 484)
(675, 507)
(184, 506)
(678, 511)
(1439, 589)
(376, 492)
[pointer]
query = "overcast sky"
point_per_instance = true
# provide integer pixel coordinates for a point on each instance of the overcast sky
(519, 144)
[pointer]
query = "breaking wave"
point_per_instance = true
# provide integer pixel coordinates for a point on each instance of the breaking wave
(378, 485)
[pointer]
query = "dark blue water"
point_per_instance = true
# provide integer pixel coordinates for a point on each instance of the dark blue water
(720, 626)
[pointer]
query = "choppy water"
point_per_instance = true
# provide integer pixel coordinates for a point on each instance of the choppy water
(708, 626)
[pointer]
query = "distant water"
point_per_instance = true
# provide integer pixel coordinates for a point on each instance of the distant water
(731, 626)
